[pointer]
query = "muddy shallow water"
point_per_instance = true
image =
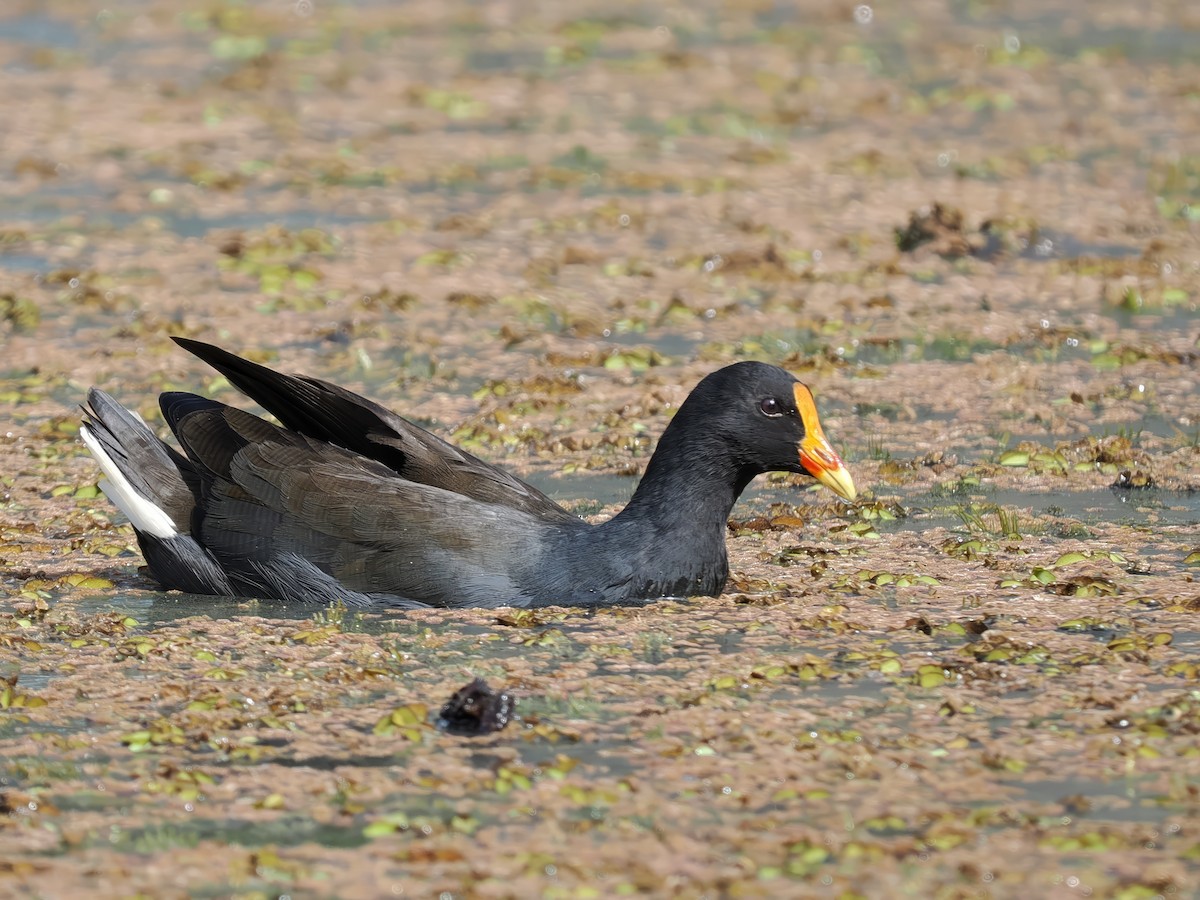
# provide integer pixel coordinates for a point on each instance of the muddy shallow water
(972, 228)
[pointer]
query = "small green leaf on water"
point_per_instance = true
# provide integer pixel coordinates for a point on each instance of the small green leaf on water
(769, 672)
(238, 47)
(1174, 296)
(10, 699)
(91, 582)
(931, 676)
(136, 741)
(1014, 458)
(724, 683)
(863, 530)
(303, 278)
(464, 824)
(271, 801)
(389, 824)
(407, 721)
(413, 714)
(1192, 559)
(1067, 559)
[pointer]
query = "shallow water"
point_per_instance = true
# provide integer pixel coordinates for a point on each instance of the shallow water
(534, 228)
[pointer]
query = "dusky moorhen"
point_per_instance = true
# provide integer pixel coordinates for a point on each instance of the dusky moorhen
(348, 501)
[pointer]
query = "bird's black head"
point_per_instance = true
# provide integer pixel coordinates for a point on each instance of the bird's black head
(760, 419)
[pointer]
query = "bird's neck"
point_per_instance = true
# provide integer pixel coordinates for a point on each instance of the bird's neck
(673, 530)
(687, 492)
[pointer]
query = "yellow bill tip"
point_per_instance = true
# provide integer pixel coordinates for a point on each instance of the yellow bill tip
(839, 481)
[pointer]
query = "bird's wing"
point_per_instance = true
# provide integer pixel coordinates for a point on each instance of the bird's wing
(330, 413)
(279, 503)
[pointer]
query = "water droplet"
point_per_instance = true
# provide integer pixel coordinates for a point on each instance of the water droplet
(303, 8)
(1012, 43)
(863, 14)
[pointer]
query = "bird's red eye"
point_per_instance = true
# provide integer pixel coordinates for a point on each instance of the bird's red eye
(771, 407)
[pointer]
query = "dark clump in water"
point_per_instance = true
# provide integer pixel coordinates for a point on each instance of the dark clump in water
(476, 709)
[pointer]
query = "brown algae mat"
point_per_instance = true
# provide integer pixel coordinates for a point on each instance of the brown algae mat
(971, 228)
